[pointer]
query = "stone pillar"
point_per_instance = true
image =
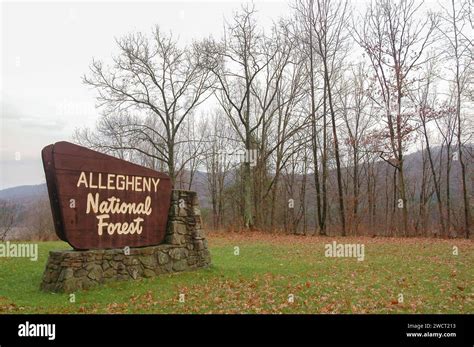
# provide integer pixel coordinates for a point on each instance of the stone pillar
(185, 248)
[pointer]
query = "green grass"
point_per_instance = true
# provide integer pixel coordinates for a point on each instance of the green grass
(261, 278)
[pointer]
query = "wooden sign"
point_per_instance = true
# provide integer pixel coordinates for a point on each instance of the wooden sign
(99, 201)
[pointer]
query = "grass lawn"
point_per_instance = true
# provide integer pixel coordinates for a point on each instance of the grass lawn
(262, 277)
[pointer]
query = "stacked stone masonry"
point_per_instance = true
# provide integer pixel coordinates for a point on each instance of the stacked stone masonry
(185, 248)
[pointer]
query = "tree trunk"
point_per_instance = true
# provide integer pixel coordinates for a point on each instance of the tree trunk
(336, 152)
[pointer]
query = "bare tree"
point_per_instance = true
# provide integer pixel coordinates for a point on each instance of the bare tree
(459, 53)
(151, 77)
(9, 212)
(218, 131)
(324, 26)
(236, 62)
(395, 40)
(249, 68)
(39, 221)
(357, 114)
(425, 97)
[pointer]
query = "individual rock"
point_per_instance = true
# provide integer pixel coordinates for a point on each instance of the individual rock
(180, 265)
(163, 258)
(148, 273)
(175, 239)
(95, 272)
(178, 253)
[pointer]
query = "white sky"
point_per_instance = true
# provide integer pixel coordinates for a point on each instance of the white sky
(47, 46)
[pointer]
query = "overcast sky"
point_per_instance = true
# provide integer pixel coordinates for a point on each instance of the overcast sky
(47, 47)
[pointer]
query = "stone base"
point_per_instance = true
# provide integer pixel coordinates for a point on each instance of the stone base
(185, 248)
(68, 271)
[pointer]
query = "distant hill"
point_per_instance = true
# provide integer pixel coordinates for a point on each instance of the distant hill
(24, 193)
(413, 165)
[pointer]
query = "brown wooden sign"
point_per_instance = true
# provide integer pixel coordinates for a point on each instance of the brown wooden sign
(99, 201)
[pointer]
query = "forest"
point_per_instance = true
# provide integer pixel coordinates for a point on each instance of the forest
(337, 120)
